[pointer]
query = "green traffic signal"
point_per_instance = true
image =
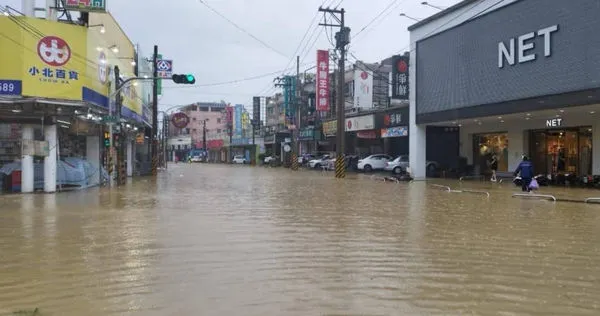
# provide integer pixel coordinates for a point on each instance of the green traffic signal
(190, 79)
(183, 79)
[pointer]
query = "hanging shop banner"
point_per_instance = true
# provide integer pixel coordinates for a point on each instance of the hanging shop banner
(180, 120)
(363, 86)
(400, 77)
(360, 123)
(256, 111)
(322, 80)
(237, 120)
(399, 131)
(86, 5)
(329, 128)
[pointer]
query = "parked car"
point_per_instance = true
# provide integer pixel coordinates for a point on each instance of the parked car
(373, 162)
(197, 159)
(400, 164)
(239, 159)
(321, 161)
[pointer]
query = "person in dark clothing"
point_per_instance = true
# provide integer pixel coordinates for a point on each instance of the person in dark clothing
(493, 162)
(525, 168)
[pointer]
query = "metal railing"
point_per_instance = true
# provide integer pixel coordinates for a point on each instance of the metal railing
(539, 196)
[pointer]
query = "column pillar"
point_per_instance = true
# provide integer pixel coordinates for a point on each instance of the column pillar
(596, 148)
(517, 146)
(27, 168)
(129, 158)
(417, 158)
(51, 14)
(93, 157)
(51, 136)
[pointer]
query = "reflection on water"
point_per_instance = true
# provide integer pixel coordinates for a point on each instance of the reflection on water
(229, 240)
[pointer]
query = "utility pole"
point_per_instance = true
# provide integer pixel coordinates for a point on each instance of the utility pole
(154, 112)
(286, 83)
(204, 138)
(121, 178)
(342, 38)
(296, 136)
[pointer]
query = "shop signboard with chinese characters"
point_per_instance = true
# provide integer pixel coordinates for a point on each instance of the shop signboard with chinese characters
(398, 117)
(47, 66)
(363, 86)
(398, 131)
(256, 111)
(329, 128)
(322, 81)
(308, 134)
(360, 123)
(86, 5)
(400, 77)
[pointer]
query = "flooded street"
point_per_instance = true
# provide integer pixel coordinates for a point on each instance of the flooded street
(228, 240)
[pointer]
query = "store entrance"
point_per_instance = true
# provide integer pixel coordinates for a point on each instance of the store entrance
(562, 151)
(485, 146)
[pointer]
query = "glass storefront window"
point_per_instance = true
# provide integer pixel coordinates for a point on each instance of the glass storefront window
(562, 151)
(487, 145)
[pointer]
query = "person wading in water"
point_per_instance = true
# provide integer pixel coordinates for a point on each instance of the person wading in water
(525, 168)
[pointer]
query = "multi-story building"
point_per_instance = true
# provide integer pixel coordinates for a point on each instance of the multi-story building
(205, 117)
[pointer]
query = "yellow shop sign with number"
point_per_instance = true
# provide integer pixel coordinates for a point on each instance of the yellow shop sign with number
(42, 58)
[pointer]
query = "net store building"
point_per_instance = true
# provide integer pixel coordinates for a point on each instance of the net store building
(517, 77)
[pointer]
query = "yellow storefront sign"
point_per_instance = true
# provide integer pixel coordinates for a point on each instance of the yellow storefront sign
(47, 59)
(330, 128)
(49, 65)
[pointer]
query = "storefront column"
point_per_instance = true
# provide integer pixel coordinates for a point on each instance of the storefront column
(466, 145)
(92, 153)
(386, 146)
(596, 148)
(517, 146)
(27, 168)
(51, 136)
(417, 138)
(130, 158)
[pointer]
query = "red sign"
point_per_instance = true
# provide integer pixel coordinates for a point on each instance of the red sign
(229, 110)
(180, 120)
(211, 144)
(322, 78)
(367, 134)
(54, 51)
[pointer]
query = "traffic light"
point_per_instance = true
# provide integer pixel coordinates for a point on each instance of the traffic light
(184, 79)
(106, 139)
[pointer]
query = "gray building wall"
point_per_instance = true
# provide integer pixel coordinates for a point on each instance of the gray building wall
(459, 68)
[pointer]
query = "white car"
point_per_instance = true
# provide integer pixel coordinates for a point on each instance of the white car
(239, 159)
(373, 162)
(400, 164)
(321, 161)
(197, 159)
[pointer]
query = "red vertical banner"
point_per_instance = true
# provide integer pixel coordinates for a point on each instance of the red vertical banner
(322, 78)
(229, 117)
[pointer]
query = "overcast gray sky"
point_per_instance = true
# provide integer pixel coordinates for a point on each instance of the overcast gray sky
(201, 42)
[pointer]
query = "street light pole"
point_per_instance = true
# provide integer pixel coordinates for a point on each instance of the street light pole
(204, 136)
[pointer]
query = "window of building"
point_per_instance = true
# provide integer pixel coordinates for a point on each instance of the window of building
(218, 131)
(193, 118)
(193, 130)
(562, 151)
(187, 130)
(218, 121)
(487, 145)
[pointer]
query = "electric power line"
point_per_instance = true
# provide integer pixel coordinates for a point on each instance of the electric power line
(242, 29)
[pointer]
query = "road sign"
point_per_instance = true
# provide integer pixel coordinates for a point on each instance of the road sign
(165, 68)
(159, 81)
(109, 119)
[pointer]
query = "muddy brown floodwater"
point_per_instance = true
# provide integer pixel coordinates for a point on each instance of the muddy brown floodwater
(235, 240)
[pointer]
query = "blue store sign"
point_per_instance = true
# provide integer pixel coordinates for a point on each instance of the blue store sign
(400, 131)
(306, 134)
(240, 141)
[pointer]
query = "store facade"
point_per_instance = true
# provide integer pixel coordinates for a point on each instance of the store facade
(394, 131)
(55, 83)
(519, 77)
